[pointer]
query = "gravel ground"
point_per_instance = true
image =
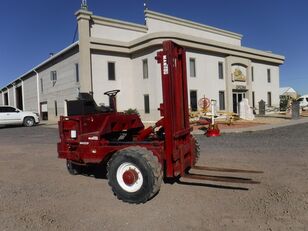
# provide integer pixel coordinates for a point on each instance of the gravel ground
(37, 193)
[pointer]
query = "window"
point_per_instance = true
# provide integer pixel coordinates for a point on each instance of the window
(53, 77)
(253, 99)
(77, 72)
(7, 109)
(220, 70)
(252, 75)
(145, 69)
(42, 85)
(268, 75)
(193, 100)
(56, 108)
(269, 99)
(111, 71)
(146, 104)
(222, 100)
(192, 67)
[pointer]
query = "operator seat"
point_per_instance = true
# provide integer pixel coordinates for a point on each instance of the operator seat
(85, 105)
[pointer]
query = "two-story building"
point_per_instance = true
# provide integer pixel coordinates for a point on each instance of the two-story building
(113, 54)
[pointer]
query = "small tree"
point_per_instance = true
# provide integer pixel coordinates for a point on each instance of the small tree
(131, 111)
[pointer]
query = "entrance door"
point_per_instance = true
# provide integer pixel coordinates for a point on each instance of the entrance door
(237, 98)
(18, 94)
(44, 111)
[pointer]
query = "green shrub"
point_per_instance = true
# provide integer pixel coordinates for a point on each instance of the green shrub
(131, 111)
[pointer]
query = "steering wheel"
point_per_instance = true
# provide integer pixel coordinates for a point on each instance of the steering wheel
(112, 92)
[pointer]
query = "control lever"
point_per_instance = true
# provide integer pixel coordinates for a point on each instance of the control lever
(112, 99)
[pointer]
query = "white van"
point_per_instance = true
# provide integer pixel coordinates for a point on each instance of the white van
(303, 102)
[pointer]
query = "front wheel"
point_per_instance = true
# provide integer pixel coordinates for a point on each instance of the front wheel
(73, 168)
(29, 122)
(134, 174)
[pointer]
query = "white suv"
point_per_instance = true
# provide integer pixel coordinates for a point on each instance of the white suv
(303, 101)
(13, 116)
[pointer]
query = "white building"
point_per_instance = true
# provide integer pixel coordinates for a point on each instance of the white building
(113, 54)
(288, 91)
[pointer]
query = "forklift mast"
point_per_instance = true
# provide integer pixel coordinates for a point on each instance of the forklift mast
(174, 109)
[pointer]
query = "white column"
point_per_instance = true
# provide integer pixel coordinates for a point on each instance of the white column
(14, 94)
(23, 95)
(85, 76)
(8, 97)
(38, 91)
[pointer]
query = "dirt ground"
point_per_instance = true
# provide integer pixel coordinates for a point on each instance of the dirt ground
(37, 193)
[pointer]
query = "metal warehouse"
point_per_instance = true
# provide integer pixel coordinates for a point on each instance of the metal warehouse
(113, 54)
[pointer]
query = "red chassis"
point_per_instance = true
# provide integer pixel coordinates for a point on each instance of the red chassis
(98, 134)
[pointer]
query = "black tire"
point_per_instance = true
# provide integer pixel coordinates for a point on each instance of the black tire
(73, 168)
(147, 171)
(29, 122)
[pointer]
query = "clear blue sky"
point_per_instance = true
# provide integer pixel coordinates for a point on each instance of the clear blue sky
(31, 29)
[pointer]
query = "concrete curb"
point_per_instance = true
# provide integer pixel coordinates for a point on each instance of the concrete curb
(259, 127)
(50, 125)
(233, 130)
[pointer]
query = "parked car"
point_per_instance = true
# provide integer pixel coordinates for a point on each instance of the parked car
(13, 116)
(303, 101)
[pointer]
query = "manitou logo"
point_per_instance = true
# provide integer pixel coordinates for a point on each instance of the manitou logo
(165, 65)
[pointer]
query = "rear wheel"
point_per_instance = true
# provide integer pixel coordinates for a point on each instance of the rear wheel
(29, 121)
(134, 174)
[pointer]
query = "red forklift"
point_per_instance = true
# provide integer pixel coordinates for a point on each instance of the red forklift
(137, 158)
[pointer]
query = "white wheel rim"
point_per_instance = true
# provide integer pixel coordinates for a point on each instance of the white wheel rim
(29, 122)
(134, 187)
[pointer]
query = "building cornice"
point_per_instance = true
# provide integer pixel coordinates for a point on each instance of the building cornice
(187, 41)
(191, 24)
(159, 16)
(119, 24)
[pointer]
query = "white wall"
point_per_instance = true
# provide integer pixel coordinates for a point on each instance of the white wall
(206, 82)
(260, 85)
(65, 88)
(1, 98)
(129, 79)
(123, 79)
(151, 86)
(30, 94)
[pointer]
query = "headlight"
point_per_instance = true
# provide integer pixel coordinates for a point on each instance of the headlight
(73, 134)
